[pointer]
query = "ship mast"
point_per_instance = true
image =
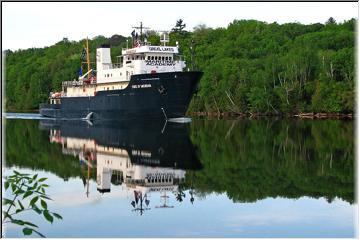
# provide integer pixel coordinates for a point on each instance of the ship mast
(87, 55)
(141, 27)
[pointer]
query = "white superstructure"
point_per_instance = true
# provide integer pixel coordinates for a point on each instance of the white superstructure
(140, 59)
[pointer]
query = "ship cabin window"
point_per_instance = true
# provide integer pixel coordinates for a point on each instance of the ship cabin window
(152, 57)
(156, 58)
(148, 58)
(163, 58)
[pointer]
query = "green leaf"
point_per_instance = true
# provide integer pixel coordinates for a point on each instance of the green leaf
(33, 201)
(48, 216)
(34, 177)
(30, 224)
(36, 209)
(7, 201)
(46, 197)
(6, 185)
(43, 204)
(34, 186)
(16, 172)
(42, 179)
(20, 204)
(18, 222)
(45, 185)
(19, 191)
(58, 216)
(28, 193)
(27, 231)
(40, 234)
(13, 187)
(18, 210)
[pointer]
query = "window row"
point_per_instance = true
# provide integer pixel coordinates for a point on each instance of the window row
(142, 57)
(160, 58)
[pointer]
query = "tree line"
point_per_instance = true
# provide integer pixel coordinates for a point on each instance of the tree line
(249, 66)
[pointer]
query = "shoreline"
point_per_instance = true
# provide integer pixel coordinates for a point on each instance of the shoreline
(301, 115)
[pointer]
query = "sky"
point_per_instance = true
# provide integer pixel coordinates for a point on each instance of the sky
(26, 25)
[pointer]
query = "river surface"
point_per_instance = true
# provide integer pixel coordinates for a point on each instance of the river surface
(206, 178)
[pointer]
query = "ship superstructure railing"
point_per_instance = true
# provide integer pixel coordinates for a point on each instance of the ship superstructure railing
(77, 83)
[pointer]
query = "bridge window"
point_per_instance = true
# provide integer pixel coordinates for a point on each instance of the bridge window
(152, 57)
(156, 58)
(163, 58)
(148, 57)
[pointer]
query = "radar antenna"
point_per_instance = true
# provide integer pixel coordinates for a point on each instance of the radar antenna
(141, 27)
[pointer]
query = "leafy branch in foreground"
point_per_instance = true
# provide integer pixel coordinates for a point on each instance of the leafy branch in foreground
(28, 194)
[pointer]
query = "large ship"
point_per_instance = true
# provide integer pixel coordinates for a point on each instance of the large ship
(146, 81)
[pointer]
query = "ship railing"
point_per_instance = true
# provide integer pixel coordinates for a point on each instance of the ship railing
(178, 58)
(117, 65)
(72, 83)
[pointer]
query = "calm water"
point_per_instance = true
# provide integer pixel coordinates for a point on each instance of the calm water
(207, 178)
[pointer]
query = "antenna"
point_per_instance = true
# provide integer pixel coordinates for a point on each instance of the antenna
(164, 37)
(141, 27)
(164, 205)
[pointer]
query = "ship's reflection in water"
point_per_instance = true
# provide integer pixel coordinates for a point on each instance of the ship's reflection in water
(142, 157)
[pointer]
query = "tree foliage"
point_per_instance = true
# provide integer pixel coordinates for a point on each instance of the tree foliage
(24, 187)
(250, 160)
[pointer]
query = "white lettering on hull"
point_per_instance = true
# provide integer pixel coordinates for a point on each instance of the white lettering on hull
(141, 86)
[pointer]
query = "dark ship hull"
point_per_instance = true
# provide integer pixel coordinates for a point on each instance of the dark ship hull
(165, 95)
(169, 143)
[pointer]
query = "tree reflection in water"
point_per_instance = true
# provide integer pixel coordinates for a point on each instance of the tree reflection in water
(248, 160)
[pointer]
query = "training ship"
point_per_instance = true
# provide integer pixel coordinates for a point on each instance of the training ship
(147, 82)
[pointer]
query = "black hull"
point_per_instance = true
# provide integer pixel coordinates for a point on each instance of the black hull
(169, 143)
(169, 95)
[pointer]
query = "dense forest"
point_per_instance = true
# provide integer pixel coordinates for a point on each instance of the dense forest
(249, 66)
(272, 158)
